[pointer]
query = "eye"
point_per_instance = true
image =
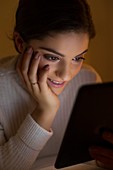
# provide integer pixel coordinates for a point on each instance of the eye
(78, 59)
(51, 57)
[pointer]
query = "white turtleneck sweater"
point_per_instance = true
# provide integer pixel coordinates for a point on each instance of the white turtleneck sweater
(24, 145)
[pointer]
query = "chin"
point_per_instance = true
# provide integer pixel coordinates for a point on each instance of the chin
(57, 91)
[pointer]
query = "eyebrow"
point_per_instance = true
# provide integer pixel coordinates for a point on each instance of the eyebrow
(85, 51)
(53, 51)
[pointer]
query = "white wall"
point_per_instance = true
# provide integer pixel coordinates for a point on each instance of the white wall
(100, 53)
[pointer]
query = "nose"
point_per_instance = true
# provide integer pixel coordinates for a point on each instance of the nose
(65, 72)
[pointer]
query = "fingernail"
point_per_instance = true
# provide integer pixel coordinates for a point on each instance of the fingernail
(36, 55)
(46, 67)
(29, 49)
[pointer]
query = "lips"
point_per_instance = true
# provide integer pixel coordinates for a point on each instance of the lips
(54, 83)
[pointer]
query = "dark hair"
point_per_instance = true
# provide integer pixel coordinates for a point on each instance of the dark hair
(36, 19)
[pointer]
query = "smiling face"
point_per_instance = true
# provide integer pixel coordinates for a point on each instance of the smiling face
(64, 53)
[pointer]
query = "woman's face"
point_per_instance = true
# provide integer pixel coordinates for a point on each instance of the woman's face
(64, 53)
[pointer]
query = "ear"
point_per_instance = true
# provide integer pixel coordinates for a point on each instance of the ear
(20, 45)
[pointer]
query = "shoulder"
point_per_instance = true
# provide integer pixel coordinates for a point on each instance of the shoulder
(88, 68)
(87, 75)
(8, 71)
(10, 82)
(8, 65)
(8, 62)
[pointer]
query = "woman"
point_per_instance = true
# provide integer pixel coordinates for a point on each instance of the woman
(38, 87)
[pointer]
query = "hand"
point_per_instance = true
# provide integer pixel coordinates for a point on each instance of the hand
(104, 156)
(35, 81)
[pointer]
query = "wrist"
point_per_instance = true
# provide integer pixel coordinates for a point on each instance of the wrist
(44, 117)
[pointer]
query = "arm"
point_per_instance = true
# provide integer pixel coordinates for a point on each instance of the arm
(35, 80)
(21, 150)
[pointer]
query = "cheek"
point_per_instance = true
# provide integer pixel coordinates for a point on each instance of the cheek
(42, 63)
(76, 69)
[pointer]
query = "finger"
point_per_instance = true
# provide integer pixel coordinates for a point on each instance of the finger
(103, 162)
(43, 78)
(25, 60)
(104, 165)
(107, 135)
(34, 68)
(100, 164)
(43, 74)
(25, 64)
(41, 84)
(103, 152)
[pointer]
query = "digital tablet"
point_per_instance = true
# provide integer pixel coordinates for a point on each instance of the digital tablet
(92, 112)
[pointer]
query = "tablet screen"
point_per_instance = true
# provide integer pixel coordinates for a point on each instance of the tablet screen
(92, 111)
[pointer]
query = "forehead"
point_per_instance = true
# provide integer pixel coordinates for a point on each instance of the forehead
(66, 43)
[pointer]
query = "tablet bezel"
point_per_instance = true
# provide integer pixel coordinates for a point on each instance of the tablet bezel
(93, 109)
